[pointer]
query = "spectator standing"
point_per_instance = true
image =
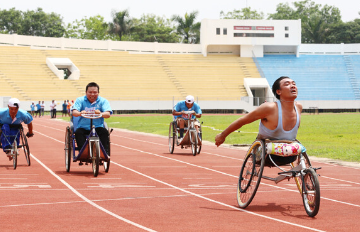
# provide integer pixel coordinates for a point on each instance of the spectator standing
(53, 109)
(64, 109)
(38, 109)
(32, 108)
(42, 108)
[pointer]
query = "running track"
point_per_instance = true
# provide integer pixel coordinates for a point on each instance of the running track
(148, 189)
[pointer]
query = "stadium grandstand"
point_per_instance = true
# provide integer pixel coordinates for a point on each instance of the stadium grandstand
(225, 73)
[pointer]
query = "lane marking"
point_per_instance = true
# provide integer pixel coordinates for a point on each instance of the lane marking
(86, 199)
(214, 201)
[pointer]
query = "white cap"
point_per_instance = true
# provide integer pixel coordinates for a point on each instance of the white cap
(190, 99)
(14, 101)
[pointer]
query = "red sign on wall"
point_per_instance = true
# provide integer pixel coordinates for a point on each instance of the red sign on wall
(266, 28)
(262, 28)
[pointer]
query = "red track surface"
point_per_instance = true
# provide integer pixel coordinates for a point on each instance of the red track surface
(149, 189)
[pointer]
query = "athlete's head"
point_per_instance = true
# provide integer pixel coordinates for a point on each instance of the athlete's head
(284, 86)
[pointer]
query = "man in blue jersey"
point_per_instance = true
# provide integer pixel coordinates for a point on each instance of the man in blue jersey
(92, 102)
(279, 120)
(9, 118)
(181, 118)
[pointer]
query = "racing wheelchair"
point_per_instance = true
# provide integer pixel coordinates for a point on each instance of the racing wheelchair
(275, 154)
(19, 143)
(92, 151)
(191, 138)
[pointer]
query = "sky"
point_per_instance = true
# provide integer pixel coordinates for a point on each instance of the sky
(70, 10)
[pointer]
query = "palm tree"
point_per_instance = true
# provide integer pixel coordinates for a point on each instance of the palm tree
(187, 27)
(121, 23)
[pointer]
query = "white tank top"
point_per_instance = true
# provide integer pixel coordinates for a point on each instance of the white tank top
(279, 133)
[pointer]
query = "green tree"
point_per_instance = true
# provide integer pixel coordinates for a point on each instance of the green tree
(315, 19)
(187, 27)
(244, 13)
(348, 32)
(88, 28)
(151, 28)
(36, 23)
(121, 24)
(10, 21)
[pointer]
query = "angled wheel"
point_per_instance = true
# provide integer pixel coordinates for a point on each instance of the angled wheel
(298, 180)
(200, 137)
(107, 163)
(25, 147)
(68, 149)
(172, 137)
(193, 141)
(250, 174)
(15, 153)
(311, 192)
(95, 158)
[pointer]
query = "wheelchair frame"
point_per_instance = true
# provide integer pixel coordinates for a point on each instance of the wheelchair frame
(190, 139)
(23, 143)
(92, 151)
(305, 176)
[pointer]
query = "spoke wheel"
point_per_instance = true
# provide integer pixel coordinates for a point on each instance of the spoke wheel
(67, 149)
(297, 178)
(95, 158)
(249, 179)
(15, 155)
(25, 148)
(199, 146)
(172, 137)
(193, 140)
(311, 192)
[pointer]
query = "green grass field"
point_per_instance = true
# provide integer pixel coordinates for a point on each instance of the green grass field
(334, 136)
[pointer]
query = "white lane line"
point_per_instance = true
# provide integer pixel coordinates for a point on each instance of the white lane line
(223, 173)
(85, 198)
(351, 182)
(211, 200)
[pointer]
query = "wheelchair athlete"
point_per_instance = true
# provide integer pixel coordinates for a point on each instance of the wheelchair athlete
(10, 120)
(92, 102)
(279, 120)
(182, 119)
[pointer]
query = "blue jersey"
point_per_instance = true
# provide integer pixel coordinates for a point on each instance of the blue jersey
(32, 107)
(38, 106)
(22, 116)
(82, 103)
(181, 106)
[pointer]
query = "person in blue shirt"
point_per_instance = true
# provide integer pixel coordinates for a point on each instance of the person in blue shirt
(181, 118)
(92, 102)
(38, 109)
(13, 116)
(64, 108)
(32, 107)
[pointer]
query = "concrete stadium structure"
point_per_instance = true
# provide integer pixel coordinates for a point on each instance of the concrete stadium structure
(243, 38)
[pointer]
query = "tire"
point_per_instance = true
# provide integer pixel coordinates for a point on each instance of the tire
(25, 147)
(14, 147)
(193, 141)
(68, 149)
(106, 166)
(247, 190)
(95, 158)
(297, 179)
(199, 146)
(311, 192)
(172, 137)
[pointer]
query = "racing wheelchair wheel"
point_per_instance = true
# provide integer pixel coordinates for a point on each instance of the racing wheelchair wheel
(14, 148)
(172, 137)
(311, 192)
(193, 141)
(250, 174)
(25, 147)
(95, 158)
(68, 149)
(107, 163)
(297, 178)
(200, 137)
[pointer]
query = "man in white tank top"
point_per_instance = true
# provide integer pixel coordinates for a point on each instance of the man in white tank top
(286, 92)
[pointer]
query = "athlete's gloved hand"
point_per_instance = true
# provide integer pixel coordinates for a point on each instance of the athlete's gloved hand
(29, 135)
